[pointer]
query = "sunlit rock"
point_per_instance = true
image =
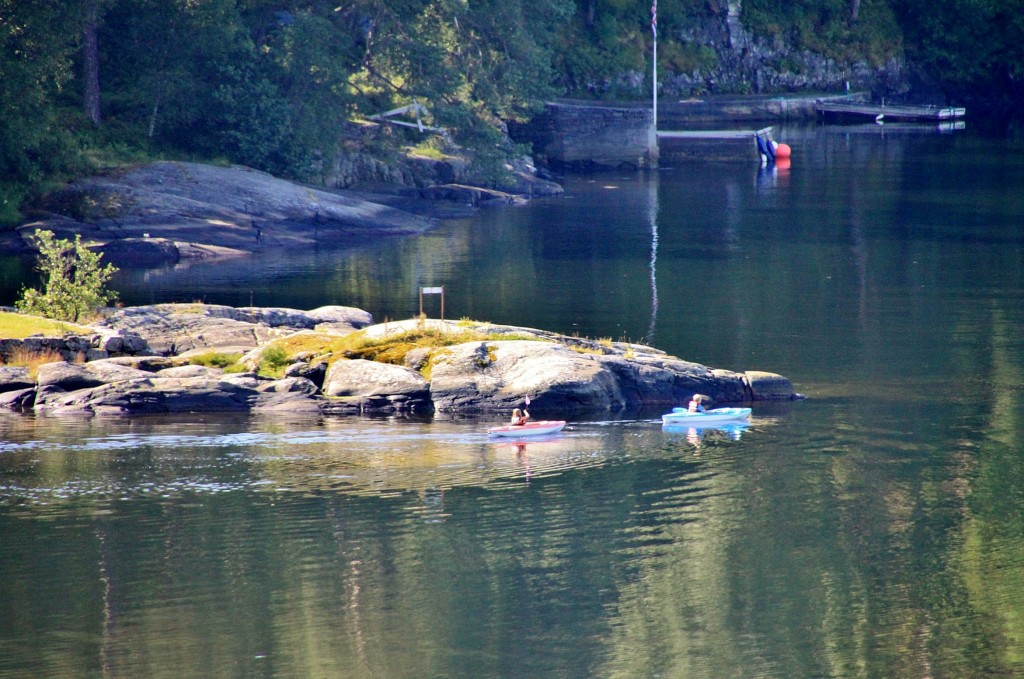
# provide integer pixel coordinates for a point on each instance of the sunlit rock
(181, 328)
(500, 375)
(462, 367)
(367, 385)
(162, 212)
(72, 376)
(766, 386)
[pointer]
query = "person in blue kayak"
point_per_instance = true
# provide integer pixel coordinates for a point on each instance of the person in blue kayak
(695, 405)
(519, 417)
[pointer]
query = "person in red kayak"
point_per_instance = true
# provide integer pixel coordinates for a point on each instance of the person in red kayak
(695, 406)
(519, 417)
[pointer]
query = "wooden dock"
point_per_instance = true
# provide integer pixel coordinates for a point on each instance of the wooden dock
(711, 144)
(859, 112)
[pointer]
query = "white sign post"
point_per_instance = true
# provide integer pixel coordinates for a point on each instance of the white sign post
(432, 291)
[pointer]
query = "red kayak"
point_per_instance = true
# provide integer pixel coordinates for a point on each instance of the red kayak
(529, 429)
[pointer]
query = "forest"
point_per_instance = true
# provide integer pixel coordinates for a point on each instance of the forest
(90, 84)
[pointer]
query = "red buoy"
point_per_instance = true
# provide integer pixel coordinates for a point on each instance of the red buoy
(782, 151)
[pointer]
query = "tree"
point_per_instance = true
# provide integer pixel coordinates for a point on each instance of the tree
(973, 48)
(37, 41)
(91, 62)
(75, 281)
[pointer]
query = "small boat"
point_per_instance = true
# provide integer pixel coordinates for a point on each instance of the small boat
(682, 416)
(538, 428)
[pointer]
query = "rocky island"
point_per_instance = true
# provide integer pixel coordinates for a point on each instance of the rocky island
(177, 358)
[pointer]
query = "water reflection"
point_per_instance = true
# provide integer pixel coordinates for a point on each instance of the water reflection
(695, 435)
(872, 531)
(351, 537)
(823, 538)
(351, 456)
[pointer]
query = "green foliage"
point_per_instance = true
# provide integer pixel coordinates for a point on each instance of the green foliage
(687, 58)
(393, 348)
(828, 26)
(247, 119)
(969, 46)
(608, 39)
(37, 41)
(273, 361)
(215, 359)
(11, 196)
(271, 84)
(75, 281)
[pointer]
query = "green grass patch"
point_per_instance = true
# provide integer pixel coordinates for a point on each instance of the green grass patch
(216, 359)
(317, 344)
(20, 326)
(273, 361)
(429, 148)
(392, 348)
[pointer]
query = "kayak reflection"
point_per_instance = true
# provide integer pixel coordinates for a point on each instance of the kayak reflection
(695, 434)
(543, 445)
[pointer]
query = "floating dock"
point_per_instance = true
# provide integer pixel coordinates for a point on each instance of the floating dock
(859, 112)
(711, 144)
(716, 109)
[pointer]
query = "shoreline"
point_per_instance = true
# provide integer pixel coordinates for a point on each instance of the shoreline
(165, 212)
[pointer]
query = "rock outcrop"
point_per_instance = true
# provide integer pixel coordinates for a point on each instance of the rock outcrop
(479, 368)
(164, 212)
(361, 385)
(158, 393)
(178, 328)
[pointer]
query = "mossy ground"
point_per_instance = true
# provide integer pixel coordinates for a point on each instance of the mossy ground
(20, 326)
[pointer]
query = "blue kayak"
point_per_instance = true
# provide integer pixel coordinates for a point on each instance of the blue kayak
(682, 416)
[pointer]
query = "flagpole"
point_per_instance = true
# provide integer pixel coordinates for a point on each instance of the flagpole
(653, 181)
(652, 217)
(654, 64)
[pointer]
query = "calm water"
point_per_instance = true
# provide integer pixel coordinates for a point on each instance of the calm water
(874, 530)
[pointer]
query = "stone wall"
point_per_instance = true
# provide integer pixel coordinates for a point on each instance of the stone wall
(590, 135)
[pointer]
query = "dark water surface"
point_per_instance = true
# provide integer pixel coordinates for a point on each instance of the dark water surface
(874, 530)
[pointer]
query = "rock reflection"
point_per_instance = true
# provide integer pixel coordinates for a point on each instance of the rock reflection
(143, 457)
